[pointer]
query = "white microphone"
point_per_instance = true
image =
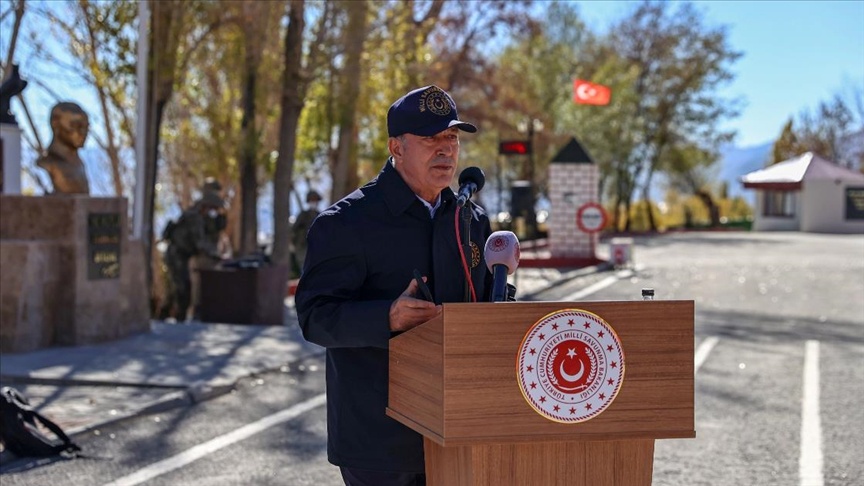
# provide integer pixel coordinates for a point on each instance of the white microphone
(502, 258)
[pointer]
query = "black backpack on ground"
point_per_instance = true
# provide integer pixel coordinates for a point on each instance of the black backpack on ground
(21, 433)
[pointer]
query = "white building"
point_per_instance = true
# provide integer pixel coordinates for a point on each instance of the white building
(807, 193)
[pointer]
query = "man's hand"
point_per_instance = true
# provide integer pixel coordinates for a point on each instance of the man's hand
(407, 311)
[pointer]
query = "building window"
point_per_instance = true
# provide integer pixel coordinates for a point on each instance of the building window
(779, 204)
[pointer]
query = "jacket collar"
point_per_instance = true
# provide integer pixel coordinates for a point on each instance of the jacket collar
(398, 196)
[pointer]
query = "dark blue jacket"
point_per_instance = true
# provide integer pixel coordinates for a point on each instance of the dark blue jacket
(361, 256)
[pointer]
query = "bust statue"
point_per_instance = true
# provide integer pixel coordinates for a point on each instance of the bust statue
(70, 125)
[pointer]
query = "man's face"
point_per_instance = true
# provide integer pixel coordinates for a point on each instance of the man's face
(71, 128)
(427, 164)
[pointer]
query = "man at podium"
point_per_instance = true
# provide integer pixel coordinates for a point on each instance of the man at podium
(357, 290)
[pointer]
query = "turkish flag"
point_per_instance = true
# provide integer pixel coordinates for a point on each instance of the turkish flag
(588, 93)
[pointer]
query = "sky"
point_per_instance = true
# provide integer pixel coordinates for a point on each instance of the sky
(796, 55)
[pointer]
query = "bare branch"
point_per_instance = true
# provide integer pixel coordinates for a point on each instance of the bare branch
(19, 14)
(39, 146)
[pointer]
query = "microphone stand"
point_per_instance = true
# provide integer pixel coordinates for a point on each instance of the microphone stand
(466, 245)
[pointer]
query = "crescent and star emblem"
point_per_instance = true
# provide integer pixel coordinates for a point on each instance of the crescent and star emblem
(570, 366)
(567, 376)
(585, 92)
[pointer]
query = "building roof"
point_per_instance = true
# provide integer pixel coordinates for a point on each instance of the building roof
(789, 175)
(572, 153)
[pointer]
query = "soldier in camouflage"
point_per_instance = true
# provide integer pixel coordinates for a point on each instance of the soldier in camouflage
(188, 238)
(213, 228)
(301, 227)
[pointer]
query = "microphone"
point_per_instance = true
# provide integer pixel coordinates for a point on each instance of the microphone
(502, 258)
(471, 180)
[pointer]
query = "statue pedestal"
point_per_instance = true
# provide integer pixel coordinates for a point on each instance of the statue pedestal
(10, 155)
(69, 274)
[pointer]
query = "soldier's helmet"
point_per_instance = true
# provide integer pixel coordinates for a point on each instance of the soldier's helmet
(211, 185)
(313, 196)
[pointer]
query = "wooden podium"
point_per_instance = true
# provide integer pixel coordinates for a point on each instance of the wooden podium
(454, 380)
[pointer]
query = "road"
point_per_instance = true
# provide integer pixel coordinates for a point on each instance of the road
(779, 380)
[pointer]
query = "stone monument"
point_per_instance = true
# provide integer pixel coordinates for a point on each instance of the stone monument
(69, 273)
(70, 126)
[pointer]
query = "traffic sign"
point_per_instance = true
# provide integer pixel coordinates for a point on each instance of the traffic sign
(591, 217)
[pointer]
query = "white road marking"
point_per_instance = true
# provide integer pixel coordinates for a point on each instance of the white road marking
(213, 445)
(810, 463)
(592, 288)
(703, 351)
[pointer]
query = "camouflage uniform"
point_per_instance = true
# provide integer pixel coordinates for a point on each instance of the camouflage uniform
(188, 238)
(213, 228)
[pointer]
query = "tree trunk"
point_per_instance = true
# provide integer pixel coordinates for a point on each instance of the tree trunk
(345, 177)
(248, 176)
(646, 195)
(293, 94)
(166, 24)
(713, 210)
(253, 43)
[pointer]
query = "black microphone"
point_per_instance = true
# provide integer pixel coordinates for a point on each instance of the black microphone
(471, 180)
(502, 258)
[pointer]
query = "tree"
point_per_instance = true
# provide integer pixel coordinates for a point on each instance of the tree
(344, 163)
(101, 35)
(834, 130)
(823, 129)
(102, 41)
(787, 145)
(681, 62)
(690, 169)
(296, 76)
(254, 18)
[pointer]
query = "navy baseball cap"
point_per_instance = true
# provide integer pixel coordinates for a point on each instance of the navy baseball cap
(424, 112)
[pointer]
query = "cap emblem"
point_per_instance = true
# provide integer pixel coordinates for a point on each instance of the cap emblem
(436, 101)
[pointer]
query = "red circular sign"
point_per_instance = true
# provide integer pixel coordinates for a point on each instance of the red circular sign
(591, 217)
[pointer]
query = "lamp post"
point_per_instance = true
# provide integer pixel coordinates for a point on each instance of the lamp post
(530, 126)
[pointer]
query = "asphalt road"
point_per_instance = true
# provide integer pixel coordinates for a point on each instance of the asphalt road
(779, 381)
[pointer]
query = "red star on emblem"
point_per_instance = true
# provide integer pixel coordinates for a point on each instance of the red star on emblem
(530, 368)
(609, 348)
(587, 325)
(614, 364)
(602, 396)
(570, 322)
(587, 406)
(542, 399)
(555, 326)
(611, 381)
(556, 408)
(600, 334)
(533, 351)
(533, 385)
(572, 410)
(542, 337)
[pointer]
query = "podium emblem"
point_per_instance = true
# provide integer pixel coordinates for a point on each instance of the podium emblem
(570, 366)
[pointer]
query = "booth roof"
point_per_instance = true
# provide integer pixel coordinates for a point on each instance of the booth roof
(790, 174)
